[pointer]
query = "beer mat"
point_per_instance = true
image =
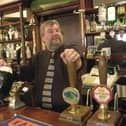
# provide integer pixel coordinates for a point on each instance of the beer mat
(20, 120)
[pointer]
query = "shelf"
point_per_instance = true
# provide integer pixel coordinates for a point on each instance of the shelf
(91, 11)
(92, 33)
(7, 25)
(10, 41)
(13, 41)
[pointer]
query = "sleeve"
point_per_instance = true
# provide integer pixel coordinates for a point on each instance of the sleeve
(26, 71)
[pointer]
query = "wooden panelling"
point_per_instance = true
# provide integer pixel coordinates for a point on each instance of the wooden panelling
(71, 28)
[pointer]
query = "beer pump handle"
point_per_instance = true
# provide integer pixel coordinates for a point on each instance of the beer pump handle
(102, 66)
(71, 69)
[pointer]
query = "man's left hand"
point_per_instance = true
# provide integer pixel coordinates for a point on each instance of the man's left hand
(71, 56)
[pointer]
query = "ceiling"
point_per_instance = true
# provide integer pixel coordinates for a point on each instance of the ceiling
(95, 1)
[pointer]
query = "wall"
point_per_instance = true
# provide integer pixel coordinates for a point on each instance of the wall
(71, 28)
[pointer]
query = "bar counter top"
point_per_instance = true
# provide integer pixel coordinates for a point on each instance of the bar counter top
(38, 114)
(35, 113)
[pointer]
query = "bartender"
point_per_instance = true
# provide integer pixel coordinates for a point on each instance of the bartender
(47, 69)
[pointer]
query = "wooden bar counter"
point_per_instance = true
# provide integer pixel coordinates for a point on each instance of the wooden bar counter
(38, 114)
(35, 113)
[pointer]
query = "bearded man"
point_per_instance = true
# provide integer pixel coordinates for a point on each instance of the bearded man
(47, 70)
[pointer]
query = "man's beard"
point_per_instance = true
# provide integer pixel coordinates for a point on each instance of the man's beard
(55, 44)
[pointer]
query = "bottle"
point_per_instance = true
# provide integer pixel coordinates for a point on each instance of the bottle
(28, 52)
(102, 13)
(87, 24)
(111, 15)
(121, 16)
(93, 24)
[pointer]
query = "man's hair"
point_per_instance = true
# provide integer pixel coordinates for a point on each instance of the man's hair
(47, 23)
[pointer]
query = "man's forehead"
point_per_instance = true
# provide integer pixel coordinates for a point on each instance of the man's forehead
(50, 26)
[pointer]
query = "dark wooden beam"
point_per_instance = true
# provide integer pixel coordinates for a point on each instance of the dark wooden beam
(57, 9)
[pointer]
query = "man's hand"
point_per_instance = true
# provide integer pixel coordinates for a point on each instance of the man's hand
(71, 56)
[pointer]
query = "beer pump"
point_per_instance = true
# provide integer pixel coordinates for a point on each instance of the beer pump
(19, 90)
(75, 113)
(103, 95)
